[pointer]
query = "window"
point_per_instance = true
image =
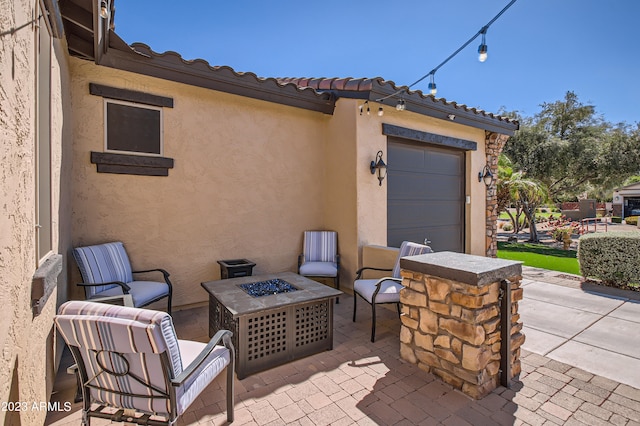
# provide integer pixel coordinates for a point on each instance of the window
(133, 132)
(132, 127)
(43, 213)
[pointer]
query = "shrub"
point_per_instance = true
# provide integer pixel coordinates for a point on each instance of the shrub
(616, 219)
(507, 227)
(543, 210)
(631, 220)
(613, 257)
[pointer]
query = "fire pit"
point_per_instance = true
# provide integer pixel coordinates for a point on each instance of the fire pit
(266, 288)
(275, 320)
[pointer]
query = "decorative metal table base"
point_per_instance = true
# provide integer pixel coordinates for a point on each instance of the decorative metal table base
(280, 329)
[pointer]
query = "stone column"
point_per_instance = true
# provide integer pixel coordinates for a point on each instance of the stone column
(451, 320)
(494, 142)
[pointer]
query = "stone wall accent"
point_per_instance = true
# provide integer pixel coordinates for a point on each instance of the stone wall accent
(451, 318)
(494, 142)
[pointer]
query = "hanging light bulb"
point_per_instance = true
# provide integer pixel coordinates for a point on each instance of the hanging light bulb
(360, 108)
(380, 112)
(368, 109)
(432, 85)
(482, 49)
(401, 106)
(104, 9)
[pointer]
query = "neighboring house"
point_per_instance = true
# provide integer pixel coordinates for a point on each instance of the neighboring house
(188, 164)
(626, 201)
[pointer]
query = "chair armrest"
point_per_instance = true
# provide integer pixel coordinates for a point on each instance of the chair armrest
(225, 336)
(368, 268)
(379, 282)
(164, 272)
(125, 288)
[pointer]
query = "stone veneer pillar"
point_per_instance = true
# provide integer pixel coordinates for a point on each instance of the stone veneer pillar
(451, 323)
(494, 142)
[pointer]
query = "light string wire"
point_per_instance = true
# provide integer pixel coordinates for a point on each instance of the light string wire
(482, 31)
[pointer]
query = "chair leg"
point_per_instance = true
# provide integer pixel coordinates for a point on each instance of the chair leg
(355, 296)
(230, 388)
(373, 322)
(336, 281)
(169, 303)
(398, 306)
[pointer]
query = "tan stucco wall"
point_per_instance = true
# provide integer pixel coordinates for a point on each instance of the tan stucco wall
(248, 180)
(28, 344)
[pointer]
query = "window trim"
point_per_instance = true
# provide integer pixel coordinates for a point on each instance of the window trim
(40, 154)
(107, 101)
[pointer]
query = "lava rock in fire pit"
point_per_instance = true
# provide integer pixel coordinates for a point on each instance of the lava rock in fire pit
(265, 288)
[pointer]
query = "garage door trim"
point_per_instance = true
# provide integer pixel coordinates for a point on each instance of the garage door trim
(431, 138)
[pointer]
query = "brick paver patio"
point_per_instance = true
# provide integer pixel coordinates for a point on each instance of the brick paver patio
(365, 383)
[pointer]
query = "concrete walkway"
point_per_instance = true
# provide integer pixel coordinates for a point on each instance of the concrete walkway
(590, 327)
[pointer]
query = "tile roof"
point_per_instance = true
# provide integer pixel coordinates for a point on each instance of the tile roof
(316, 94)
(342, 86)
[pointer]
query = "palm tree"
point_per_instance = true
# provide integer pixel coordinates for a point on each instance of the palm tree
(526, 194)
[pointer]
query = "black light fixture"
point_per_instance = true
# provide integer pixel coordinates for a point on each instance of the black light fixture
(379, 167)
(485, 175)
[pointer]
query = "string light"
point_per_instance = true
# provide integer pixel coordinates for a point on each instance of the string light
(380, 112)
(401, 106)
(482, 50)
(104, 9)
(432, 85)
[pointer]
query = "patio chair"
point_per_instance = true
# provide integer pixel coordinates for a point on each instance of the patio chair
(384, 290)
(106, 272)
(132, 366)
(320, 258)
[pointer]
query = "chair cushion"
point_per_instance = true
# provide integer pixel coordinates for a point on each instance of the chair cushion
(103, 263)
(389, 290)
(320, 246)
(319, 269)
(408, 248)
(213, 365)
(142, 292)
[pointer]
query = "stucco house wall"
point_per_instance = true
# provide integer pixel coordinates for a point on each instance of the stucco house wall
(248, 180)
(30, 351)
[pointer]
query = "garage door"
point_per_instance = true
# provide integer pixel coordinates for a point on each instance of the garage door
(425, 195)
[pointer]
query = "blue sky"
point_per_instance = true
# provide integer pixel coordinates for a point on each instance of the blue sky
(538, 49)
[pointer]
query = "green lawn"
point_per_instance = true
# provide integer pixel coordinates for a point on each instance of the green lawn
(540, 256)
(505, 216)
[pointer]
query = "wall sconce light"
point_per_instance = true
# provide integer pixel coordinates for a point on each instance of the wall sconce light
(378, 166)
(485, 175)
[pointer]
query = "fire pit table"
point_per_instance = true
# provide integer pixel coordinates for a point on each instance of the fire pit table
(274, 318)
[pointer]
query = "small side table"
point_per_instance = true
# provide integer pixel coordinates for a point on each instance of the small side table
(235, 268)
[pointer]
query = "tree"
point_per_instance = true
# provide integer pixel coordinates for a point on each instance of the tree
(513, 188)
(570, 150)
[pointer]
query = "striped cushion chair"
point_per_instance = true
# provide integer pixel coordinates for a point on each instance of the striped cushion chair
(130, 359)
(106, 272)
(320, 256)
(387, 289)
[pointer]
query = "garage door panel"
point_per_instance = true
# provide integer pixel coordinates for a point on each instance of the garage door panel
(443, 163)
(417, 213)
(420, 186)
(425, 195)
(442, 238)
